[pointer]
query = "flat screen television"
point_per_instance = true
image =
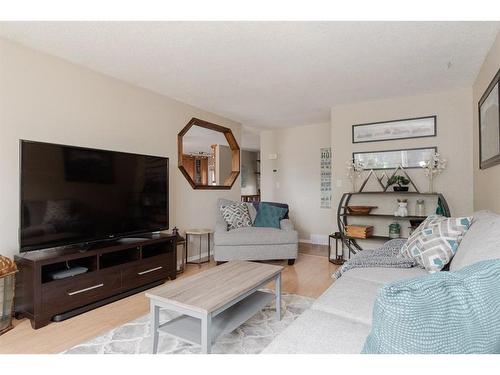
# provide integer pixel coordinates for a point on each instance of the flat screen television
(74, 195)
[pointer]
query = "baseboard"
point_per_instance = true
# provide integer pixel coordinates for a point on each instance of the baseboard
(316, 239)
(319, 239)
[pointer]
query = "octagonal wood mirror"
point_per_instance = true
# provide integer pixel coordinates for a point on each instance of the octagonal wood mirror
(208, 155)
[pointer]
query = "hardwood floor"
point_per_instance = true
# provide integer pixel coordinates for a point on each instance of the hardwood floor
(310, 276)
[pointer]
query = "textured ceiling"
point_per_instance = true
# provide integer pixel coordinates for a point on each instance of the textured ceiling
(271, 74)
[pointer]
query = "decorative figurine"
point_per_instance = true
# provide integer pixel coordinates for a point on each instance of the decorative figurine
(402, 208)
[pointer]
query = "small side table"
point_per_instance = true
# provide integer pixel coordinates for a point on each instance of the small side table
(200, 233)
(339, 258)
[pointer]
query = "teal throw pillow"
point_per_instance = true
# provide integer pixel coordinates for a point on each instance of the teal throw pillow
(441, 313)
(269, 216)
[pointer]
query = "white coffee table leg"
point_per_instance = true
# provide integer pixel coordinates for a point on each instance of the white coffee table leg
(278, 296)
(206, 334)
(155, 322)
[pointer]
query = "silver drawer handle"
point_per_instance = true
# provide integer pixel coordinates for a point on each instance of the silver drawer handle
(85, 290)
(151, 270)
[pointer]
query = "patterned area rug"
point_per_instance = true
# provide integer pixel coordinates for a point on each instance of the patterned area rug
(250, 338)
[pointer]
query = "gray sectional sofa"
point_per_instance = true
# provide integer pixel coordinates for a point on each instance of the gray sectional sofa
(254, 243)
(340, 319)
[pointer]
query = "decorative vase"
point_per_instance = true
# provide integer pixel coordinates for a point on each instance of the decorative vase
(431, 183)
(439, 208)
(394, 230)
(420, 208)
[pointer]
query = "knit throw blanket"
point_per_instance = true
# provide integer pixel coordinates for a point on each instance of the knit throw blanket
(385, 256)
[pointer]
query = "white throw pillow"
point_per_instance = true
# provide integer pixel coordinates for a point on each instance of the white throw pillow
(435, 241)
(236, 215)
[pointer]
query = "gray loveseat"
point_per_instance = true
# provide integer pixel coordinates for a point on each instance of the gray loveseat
(254, 243)
(340, 319)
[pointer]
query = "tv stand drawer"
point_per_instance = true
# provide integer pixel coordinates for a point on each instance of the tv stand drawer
(63, 295)
(114, 269)
(147, 271)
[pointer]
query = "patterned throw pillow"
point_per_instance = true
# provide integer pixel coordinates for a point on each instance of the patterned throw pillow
(236, 215)
(435, 241)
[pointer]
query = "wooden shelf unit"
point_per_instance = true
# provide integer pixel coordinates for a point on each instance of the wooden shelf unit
(409, 217)
(393, 192)
(342, 215)
(116, 270)
(374, 237)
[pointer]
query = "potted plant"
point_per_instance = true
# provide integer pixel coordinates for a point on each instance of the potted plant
(399, 181)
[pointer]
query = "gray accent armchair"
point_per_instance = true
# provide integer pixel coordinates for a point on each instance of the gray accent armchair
(254, 243)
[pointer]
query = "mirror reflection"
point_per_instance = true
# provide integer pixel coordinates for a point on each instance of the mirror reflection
(207, 156)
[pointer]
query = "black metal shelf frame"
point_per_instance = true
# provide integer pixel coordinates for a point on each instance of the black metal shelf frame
(342, 215)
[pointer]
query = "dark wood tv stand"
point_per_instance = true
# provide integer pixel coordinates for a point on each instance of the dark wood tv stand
(115, 270)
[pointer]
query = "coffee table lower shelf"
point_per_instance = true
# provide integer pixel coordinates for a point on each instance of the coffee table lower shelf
(188, 328)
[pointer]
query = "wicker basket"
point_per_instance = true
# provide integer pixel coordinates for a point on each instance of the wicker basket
(8, 271)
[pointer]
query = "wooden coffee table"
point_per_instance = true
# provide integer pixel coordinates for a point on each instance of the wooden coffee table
(214, 302)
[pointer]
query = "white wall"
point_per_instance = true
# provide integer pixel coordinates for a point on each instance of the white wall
(454, 142)
(267, 165)
(48, 99)
(486, 181)
(297, 180)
